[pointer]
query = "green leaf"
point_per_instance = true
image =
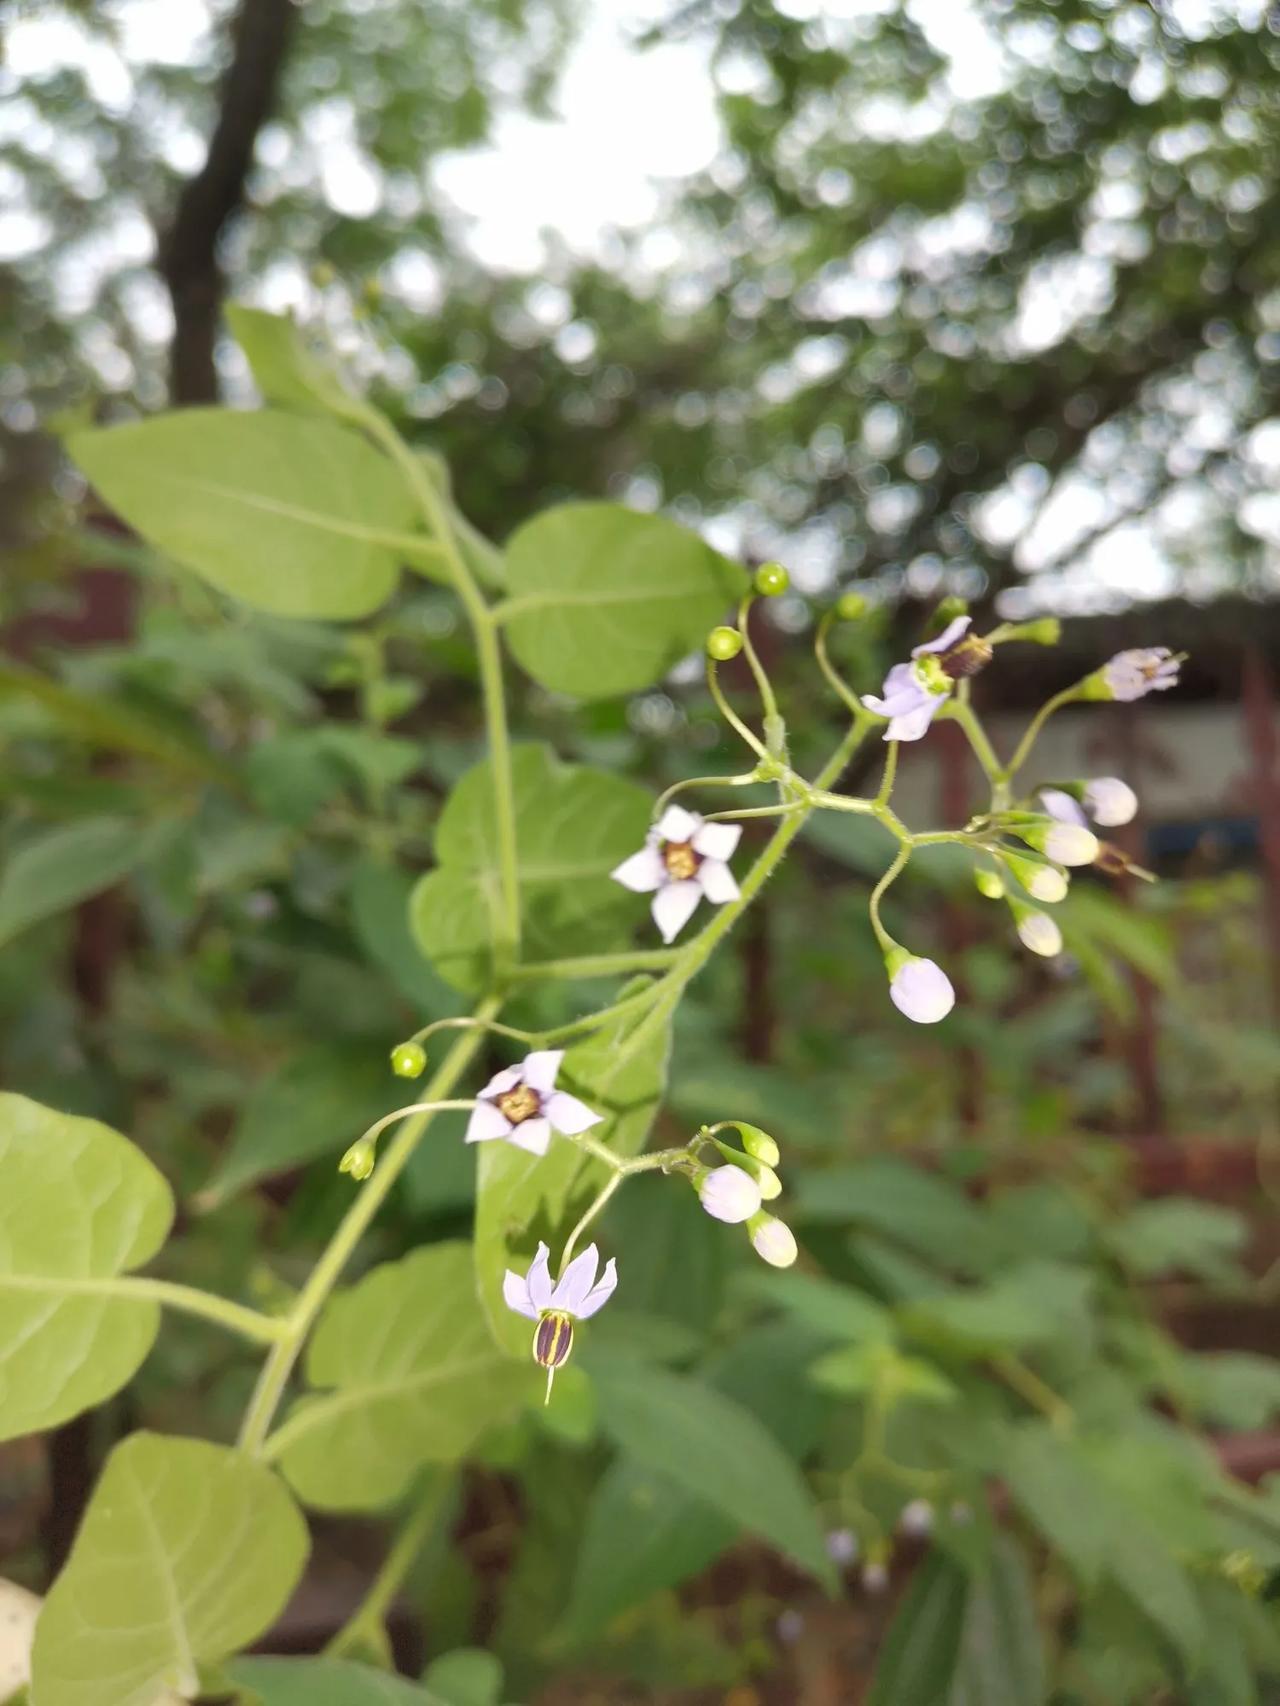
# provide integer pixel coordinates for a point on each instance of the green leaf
(380, 913)
(285, 368)
(319, 1101)
(1059, 1492)
(187, 1553)
(604, 600)
(79, 1204)
(922, 1648)
(481, 555)
(834, 1310)
(1179, 1234)
(573, 825)
(1231, 1388)
(716, 1450)
(412, 1377)
(326, 1682)
(620, 1071)
(877, 1365)
(1001, 1660)
(290, 514)
(60, 867)
(468, 1676)
(1034, 1303)
(926, 1213)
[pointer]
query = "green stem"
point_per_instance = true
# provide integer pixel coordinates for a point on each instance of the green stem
(834, 680)
(959, 711)
(139, 1288)
(596, 965)
(370, 1616)
(327, 1271)
(1068, 696)
(782, 810)
(729, 714)
(890, 876)
(763, 684)
(602, 1197)
(1028, 1384)
(890, 773)
(668, 794)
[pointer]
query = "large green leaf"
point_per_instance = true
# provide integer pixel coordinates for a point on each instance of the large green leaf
(59, 867)
(620, 1071)
(1001, 1659)
(922, 1648)
(412, 1377)
(285, 367)
(926, 1213)
(573, 825)
(290, 514)
(325, 1682)
(187, 1553)
(79, 1206)
(714, 1449)
(604, 600)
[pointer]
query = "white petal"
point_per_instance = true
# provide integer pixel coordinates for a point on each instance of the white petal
(914, 725)
(1040, 933)
(676, 824)
(717, 881)
(533, 1135)
(568, 1115)
(717, 840)
(642, 872)
(600, 1294)
(922, 990)
(946, 639)
(1062, 806)
(540, 1287)
(730, 1194)
(1111, 801)
(576, 1281)
(507, 1079)
(539, 1069)
(486, 1122)
(515, 1294)
(673, 907)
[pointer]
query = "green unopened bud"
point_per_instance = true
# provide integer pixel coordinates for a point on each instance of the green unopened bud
(771, 579)
(1042, 880)
(767, 1181)
(359, 1159)
(1044, 631)
(758, 1143)
(988, 882)
(772, 1240)
(851, 606)
(408, 1060)
(723, 643)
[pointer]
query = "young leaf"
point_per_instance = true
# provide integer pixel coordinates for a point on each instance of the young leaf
(1001, 1660)
(715, 1450)
(573, 825)
(80, 1204)
(285, 368)
(922, 1648)
(187, 1553)
(325, 1682)
(411, 1376)
(60, 867)
(468, 1676)
(605, 600)
(288, 513)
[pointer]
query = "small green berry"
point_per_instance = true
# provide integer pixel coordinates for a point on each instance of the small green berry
(359, 1159)
(723, 644)
(408, 1060)
(851, 607)
(772, 579)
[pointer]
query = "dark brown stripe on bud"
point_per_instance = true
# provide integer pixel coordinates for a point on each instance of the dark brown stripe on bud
(553, 1339)
(967, 657)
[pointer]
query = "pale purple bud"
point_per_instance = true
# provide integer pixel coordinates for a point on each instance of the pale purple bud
(842, 1546)
(773, 1240)
(1110, 801)
(916, 1518)
(919, 988)
(729, 1194)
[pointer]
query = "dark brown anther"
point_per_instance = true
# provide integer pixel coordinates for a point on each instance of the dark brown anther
(553, 1339)
(966, 657)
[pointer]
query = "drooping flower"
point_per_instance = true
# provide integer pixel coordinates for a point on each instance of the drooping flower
(1037, 931)
(772, 1240)
(576, 1296)
(521, 1105)
(1063, 843)
(919, 988)
(914, 693)
(1106, 799)
(729, 1193)
(684, 860)
(1133, 674)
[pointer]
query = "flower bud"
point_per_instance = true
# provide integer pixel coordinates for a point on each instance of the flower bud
(842, 1546)
(772, 1240)
(723, 643)
(758, 1143)
(1063, 843)
(1044, 631)
(767, 1181)
(875, 1575)
(408, 1060)
(851, 606)
(1109, 801)
(988, 882)
(771, 579)
(918, 988)
(729, 1194)
(916, 1518)
(1036, 930)
(359, 1159)
(1042, 881)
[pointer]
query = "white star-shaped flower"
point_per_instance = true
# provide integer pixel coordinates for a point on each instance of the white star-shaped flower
(684, 859)
(521, 1105)
(577, 1292)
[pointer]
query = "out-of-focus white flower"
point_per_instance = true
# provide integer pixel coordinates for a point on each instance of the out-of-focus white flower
(1041, 881)
(1063, 843)
(729, 1194)
(1037, 931)
(1110, 801)
(1063, 806)
(1133, 674)
(919, 988)
(875, 1576)
(683, 861)
(521, 1105)
(842, 1546)
(916, 1518)
(772, 1239)
(914, 693)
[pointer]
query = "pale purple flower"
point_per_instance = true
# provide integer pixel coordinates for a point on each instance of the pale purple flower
(1063, 806)
(921, 990)
(521, 1105)
(913, 693)
(842, 1546)
(577, 1293)
(683, 861)
(729, 1193)
(1134, 674)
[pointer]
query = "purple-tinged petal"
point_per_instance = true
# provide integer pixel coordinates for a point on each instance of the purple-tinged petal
(717, 840)
(539, 1069)
(914, 724)
(600, 1294)
(642, 872)
(946, 639)
(507, 1079)
(576, 1281)
(515, 1294)
(568, 1115)
(486, 1123)
(533, 1135)
(922, 991)
(717, 881)
(676, 824)
(540, 1286)
(673, 907)
(1060, 805)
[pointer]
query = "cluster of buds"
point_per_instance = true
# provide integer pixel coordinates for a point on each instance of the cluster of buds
(736, 1189)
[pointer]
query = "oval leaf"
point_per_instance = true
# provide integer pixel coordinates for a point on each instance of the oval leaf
(288, 513)
(80, 1205)
(63, 866)
(187, 1553)
(413, 1376)
(605, 600)
(325, 1682)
